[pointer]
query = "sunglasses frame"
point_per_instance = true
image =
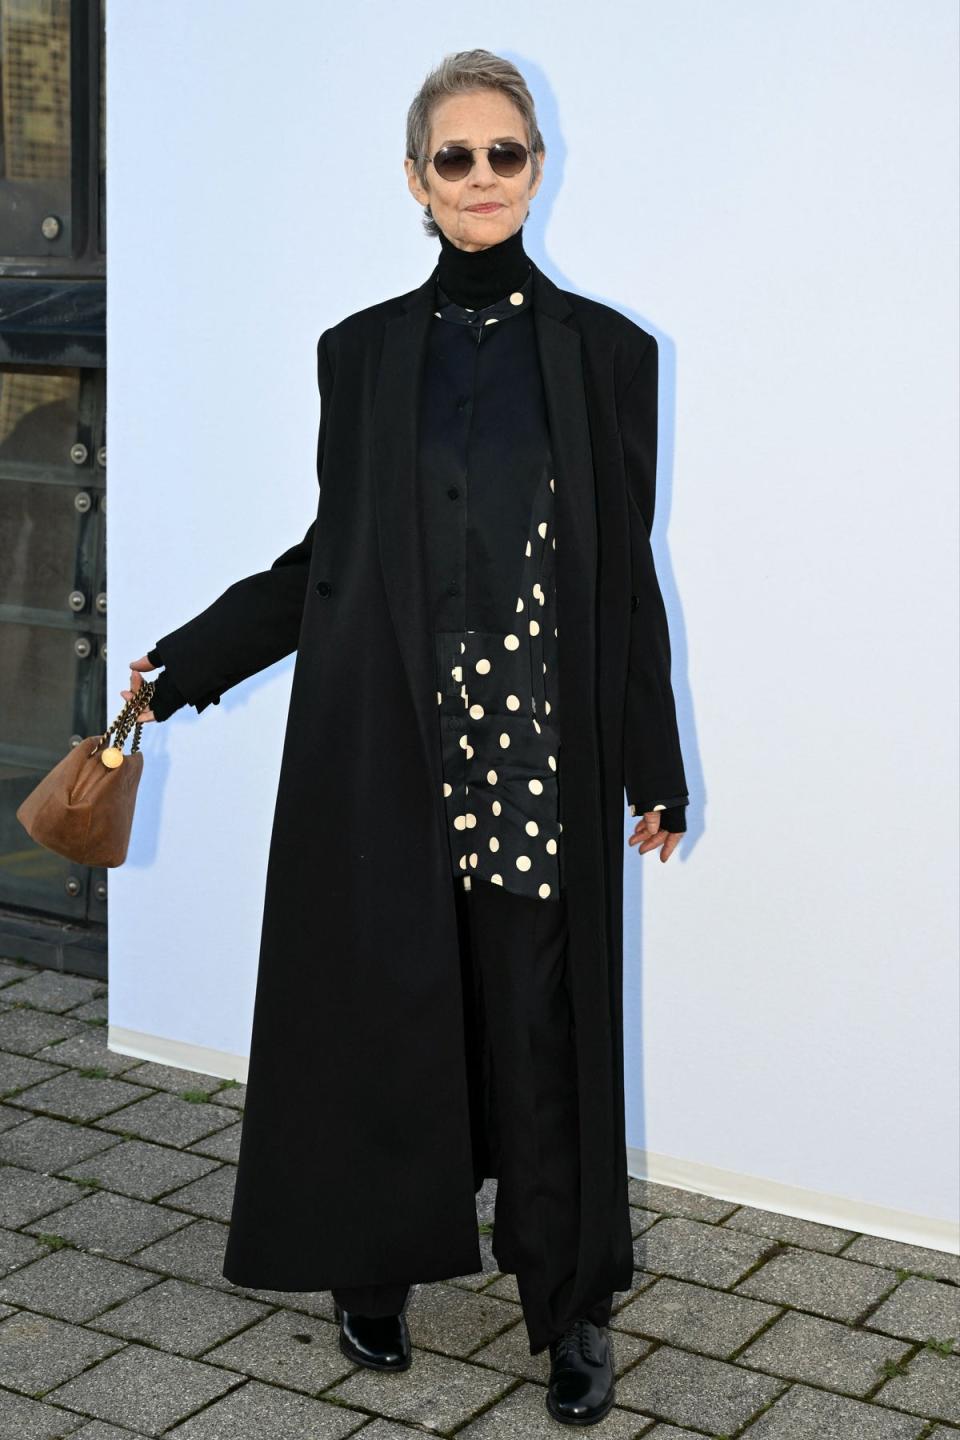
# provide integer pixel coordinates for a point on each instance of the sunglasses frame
(470, 150)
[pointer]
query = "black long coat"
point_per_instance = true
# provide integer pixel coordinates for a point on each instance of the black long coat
(356, 1164)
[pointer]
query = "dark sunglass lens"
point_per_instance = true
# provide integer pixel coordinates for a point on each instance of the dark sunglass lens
(453, 162)
(508, 158)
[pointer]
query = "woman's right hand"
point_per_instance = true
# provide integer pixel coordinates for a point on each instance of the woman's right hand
(136, 666)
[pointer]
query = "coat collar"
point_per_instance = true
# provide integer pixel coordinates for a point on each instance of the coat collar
(399, 517)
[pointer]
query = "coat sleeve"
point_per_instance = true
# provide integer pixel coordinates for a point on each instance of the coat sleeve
(256, 620)
(652, 761)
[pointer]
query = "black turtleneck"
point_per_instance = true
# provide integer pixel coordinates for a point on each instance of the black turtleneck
(474, 278)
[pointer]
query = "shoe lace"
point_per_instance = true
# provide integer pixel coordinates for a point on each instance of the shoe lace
(577, 1340)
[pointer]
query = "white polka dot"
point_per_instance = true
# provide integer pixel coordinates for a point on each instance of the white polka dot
(560, 826)
(535, 787)
(542, 529)
(519, 604)
(469, 752)
(513, 702)
(516, 297)
(473, 859)
(554, 542)
(492, 780)
(524, 862)
(532, 828)
(463, 862)
(471, 819)
(476, 712)
(511, 642)
(546, 706)
(504, 739)
(496, 879)
(494, 843)
(491, 321)
(457, 672)
(464, 742)
(466, 882)
(537, 590)
(552, 761)
(462, 647)
(496, 807)
(483, 667)
(460, 822)
(544, 891)
(554, 629)
(552, 486)
(447, 789)
(534, 627)
(551, 847)
(436, 312)
(536, 725)
(439, 698)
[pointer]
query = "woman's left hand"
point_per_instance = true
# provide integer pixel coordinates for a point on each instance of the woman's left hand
(648, 836)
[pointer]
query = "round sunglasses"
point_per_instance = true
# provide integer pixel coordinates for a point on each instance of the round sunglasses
(454, 162)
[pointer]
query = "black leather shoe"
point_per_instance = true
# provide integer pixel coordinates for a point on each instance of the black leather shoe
(581, 1388)
(381, 1342)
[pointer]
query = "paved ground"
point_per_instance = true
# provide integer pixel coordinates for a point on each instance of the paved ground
(115, 1322)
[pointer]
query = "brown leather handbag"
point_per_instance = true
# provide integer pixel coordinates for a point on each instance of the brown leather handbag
(83, 808)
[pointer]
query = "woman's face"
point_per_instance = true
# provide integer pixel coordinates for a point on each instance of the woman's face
(478, 117)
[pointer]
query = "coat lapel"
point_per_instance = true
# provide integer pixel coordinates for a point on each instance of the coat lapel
(399, 517)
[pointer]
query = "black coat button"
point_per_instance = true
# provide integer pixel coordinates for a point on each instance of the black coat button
(453, 492)
(634, 601)
(323, 587)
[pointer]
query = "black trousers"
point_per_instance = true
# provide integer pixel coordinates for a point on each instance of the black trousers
(523, 1102)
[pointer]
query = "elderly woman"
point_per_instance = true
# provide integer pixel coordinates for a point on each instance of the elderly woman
(483, 668)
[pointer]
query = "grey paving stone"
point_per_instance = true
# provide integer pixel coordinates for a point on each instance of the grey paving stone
(789, 1229)
(25, 1195)
(108, 1224)
(23, 1419)
(931, 1387)
(696, 1391)
(92, 1010)
(670, 1432)
(873, 1250)
(453, 1320)
(172, 1078)
(435, 1392)
(387, 1430)
(17, 1072)
(257, 1410)
(225, 1145)
(504, 1288)
(210, 1196)
(511, 1352)
(37, 1352)
(17, 1250)
(180, 1317)
(143, 1389)
(73, 1286)
(10, 1117)
(641, 1220)
(705, 1254)
(140, 1169)
(166, 1118)
(48, 1145)
(826, 1284)
(233, 1096)
(27, 1031)
(803, 1414)
(193, 1253)
(73, 1096)
(53, 990)
(97, 1430)
(669, 1200)
(286, 1349)
(87, 1049)
(523, 1415)
(823, 1352)
(11, 970)
(694, 1317)
(920, 1310)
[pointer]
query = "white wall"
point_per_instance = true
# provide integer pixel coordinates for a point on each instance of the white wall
(771, 190)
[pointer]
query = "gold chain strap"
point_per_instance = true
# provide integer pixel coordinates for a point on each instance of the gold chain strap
(113, 755)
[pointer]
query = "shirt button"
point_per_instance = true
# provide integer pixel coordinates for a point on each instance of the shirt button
(453, 492)
(516, 298)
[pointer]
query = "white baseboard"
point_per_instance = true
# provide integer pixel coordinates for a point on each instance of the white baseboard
(825, 1209)
(690, 1175)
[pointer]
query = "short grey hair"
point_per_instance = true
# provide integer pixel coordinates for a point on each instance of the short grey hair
(462, 71)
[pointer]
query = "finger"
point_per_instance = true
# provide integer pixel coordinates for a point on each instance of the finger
(670, 844)
(652, 842)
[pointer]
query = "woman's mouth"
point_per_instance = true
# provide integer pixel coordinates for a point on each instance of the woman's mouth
(487, 208)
